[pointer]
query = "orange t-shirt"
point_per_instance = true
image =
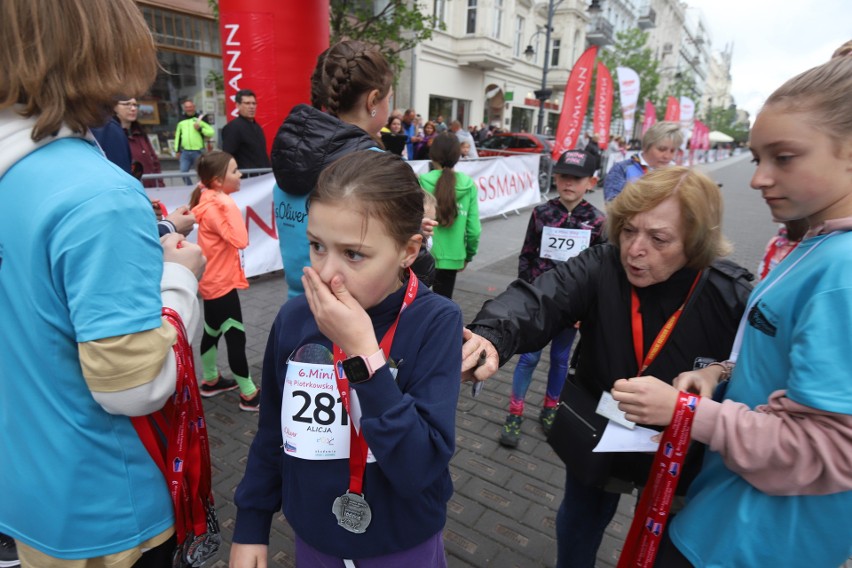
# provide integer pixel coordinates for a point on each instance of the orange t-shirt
(222, 235)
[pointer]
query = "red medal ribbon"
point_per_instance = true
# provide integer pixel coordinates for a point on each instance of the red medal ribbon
(662, 336)
(652, 513)
(176, 438)
(357, 444)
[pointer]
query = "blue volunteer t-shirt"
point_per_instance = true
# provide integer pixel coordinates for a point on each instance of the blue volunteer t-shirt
(79, 261)
(798, 338)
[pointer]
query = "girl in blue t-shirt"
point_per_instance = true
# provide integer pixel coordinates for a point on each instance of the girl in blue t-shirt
(360, 383)
(776, 483)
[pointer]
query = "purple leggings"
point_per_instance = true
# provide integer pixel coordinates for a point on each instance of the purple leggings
(429, 554)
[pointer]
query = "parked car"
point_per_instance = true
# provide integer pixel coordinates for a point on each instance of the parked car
(509, 143)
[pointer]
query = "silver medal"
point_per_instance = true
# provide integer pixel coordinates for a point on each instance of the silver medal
(352, 512)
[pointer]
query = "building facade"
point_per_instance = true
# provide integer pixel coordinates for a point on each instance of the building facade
(488, 62)
(190, 56)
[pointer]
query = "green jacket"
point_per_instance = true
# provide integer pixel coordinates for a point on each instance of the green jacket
(188, 138)
(454, 245)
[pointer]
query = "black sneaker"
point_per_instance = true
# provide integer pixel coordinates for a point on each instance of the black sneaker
(250, 404)
(8, 552)
(511, 433)
(547, 416)
(209, 389)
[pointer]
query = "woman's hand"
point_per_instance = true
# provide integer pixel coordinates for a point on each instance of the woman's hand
(339, 316)
(475, 366)
(646, 400)
(702, 382)
(177, 249)
(248, 555)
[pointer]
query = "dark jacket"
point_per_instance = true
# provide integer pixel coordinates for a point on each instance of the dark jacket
(408, 422)
(592, 288)
(307, 142)
(145, 160)
(113, 141)
(244, 140)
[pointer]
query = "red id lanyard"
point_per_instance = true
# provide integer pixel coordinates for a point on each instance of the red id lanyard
(662, 336)
(649, 520)
(176, 438)
(357, 444)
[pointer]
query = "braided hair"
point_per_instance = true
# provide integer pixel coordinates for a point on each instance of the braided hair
(346, 71)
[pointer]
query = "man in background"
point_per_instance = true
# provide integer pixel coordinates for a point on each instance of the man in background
(464, 136)
(243, 137)
(189, 138)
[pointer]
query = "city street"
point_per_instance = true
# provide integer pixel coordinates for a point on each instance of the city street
(504, 507)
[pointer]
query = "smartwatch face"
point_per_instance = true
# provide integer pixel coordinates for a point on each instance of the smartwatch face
(356, 370)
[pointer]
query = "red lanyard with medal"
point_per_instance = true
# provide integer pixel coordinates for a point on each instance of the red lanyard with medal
(351, 509)
(652, 512)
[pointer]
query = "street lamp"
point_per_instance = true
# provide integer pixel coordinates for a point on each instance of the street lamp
(543, 94)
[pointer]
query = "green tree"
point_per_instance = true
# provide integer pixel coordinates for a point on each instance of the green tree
(630, 50)
(397, 26)
(724, 119)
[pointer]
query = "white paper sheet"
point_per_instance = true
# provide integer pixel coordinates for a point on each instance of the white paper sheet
(617, 438)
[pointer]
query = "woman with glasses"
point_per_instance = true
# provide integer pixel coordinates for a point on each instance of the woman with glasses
(144, 159)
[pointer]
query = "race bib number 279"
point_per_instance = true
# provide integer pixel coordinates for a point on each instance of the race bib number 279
(562, 244)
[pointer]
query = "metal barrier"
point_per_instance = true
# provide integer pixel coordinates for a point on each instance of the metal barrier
(193, 174)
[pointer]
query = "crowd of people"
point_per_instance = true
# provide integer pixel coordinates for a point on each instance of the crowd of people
(103, 434)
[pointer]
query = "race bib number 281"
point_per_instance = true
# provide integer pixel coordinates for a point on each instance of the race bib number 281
(314, 424)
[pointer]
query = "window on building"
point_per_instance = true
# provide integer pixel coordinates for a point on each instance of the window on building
(189, 54)
(439, 11)
(471, 17)
(519, 35)
(554, 52)
(498, 19)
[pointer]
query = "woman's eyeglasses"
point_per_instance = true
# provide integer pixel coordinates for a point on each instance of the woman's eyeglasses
(128, 104)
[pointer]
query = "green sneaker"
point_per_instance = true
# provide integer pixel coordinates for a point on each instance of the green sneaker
(547, 416)
(511, 433)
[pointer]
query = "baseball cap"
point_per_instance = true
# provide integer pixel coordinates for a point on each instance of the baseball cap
(577, 163)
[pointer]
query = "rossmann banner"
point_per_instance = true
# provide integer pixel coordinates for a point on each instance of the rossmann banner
(504, 184)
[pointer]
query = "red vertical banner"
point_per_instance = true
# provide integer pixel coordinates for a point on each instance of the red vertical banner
(603, 105)
(650, 117)
(576, 101)
(270, 47)
(672, 109)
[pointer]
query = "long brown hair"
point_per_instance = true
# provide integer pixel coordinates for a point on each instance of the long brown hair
(210, 167)
(68, 61)
(446, 151)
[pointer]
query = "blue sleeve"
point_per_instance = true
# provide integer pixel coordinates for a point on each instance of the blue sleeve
(107, 261)
(412, 432)
(615, 181)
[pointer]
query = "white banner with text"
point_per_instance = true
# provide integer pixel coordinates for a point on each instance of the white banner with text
(504, 184)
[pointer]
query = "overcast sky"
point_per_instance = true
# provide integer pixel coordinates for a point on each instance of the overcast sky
(774, 40)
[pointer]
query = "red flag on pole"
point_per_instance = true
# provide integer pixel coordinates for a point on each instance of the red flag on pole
(673, 109)
(650, 117)
(603, 104)
(575, 103)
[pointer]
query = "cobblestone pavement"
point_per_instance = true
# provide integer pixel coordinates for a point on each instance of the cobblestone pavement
(503, 511)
